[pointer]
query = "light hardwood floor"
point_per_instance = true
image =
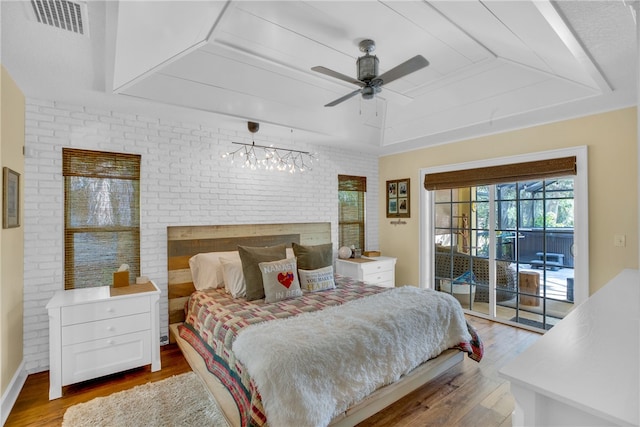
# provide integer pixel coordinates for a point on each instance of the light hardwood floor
(33, 407)
(470, 394)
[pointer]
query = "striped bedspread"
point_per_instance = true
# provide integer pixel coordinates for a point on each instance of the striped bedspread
(214, 319)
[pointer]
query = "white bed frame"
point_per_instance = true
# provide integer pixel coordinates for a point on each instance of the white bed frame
(184, 242)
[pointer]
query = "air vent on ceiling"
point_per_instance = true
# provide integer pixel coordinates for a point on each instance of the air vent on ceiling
(63, 14)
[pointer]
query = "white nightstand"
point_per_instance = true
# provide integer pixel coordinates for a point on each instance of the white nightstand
(373, 270)
(100, 331)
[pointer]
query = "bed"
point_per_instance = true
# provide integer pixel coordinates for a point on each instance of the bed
(220, 333)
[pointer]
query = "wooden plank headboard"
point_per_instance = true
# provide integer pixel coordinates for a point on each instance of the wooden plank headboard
(185, 241)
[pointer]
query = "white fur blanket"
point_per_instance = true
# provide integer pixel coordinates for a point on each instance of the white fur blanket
(311, 367)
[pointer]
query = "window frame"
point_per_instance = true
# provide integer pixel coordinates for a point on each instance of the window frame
(358, 184)
(69, 231)
(581, 218)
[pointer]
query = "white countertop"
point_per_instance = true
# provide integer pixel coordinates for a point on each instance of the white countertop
(64, 298)
(591, 359)
(78, 296)
(370, 258)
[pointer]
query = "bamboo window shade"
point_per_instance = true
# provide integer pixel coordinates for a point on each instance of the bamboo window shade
(352, 183)
(351, 210)
(526, 171)
(102, 216)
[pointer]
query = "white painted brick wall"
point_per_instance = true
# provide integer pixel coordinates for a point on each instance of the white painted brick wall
(184, 182)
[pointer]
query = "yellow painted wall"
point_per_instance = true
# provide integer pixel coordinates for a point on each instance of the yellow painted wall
(611, 139)
(12, 111)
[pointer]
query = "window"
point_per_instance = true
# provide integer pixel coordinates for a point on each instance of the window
(102, 216)
(351, 199)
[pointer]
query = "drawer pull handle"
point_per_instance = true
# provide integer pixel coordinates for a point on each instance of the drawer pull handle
(110, 328)
(110, 310)
(111, 342)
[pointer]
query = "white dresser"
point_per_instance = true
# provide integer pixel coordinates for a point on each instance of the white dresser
(373, 270)
(586, 370)
(100, 331)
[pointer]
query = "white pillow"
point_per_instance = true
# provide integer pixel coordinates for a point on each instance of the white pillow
(233, 277)
(206, 269)
(317, 280)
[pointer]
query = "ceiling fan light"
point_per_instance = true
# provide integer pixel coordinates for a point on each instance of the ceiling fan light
(367, 67)
(368, 92)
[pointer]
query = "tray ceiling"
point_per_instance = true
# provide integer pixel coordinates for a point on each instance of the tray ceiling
(493, 64)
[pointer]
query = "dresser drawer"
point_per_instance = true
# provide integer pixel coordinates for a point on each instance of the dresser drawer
(386, 284)
(378, 277)
(96, 358)
(369, 268)
(107, 309)
(100, 331)
(81, 332)
(375, 271)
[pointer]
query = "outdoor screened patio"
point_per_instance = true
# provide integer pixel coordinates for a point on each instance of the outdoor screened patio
(529, 227)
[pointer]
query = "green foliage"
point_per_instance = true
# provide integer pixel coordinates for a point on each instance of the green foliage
(538, 204)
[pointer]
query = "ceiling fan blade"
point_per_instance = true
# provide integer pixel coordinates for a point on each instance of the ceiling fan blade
(337, 75)
(344, 98)
(414, 64)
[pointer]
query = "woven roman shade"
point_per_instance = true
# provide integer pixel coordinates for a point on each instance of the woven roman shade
(525, 171)
(102, 216)
(100, 164)
(351, 190)
(352, 183)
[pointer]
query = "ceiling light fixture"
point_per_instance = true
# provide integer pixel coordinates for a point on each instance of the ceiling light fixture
(254, 156)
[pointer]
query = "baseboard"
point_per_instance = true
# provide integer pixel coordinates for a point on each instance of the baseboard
(10, 396)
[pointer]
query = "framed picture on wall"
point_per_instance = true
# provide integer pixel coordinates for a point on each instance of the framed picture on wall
(392, 208)
(10, 198)
(398, 198)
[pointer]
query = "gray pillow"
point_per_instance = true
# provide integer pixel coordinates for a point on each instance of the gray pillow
(251, 257)
(313, 257)
(280, 280)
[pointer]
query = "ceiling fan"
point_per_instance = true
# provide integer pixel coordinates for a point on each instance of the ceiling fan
(368, 79)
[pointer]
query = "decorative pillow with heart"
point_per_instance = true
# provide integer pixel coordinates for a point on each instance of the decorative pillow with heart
(280, 279)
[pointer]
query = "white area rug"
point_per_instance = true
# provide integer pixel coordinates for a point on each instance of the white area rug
(181, 400)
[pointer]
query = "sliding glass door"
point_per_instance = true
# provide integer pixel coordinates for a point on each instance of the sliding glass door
(508, 237)
(506, 250)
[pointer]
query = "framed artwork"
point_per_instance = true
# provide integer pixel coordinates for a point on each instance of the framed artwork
(398, 198)
(10, 198)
